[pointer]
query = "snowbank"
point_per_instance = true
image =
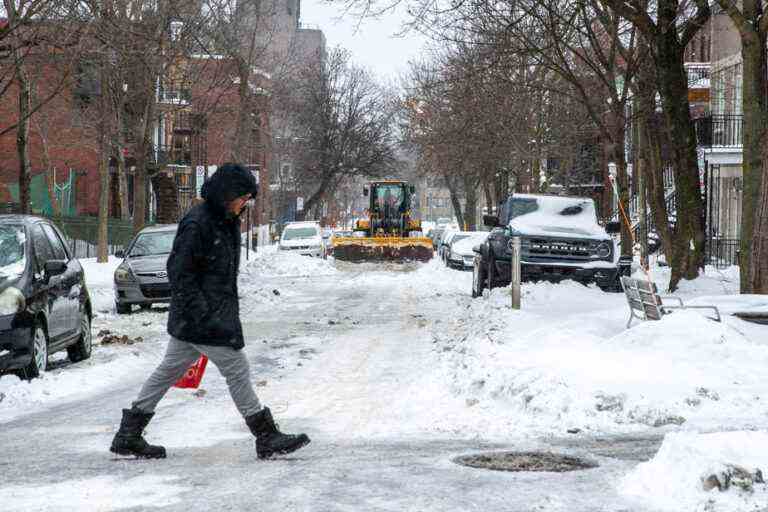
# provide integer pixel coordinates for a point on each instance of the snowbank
(566, 360)
(672, 480)
(99, 277)
(268, 262)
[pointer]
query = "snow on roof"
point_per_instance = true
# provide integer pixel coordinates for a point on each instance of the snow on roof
(302, 224)
(466, 245)
(557, 216)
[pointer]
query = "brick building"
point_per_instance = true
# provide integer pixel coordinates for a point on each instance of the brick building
(193, 131)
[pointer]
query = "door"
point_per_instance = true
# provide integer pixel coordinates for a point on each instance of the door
(71, 279)
(49, 289)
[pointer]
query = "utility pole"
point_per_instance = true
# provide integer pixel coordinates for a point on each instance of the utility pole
(514, 285)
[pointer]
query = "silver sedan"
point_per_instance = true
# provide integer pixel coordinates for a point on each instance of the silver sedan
(141, 279)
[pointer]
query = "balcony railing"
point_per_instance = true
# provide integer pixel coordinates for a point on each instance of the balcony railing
(163, 156)
(720, 130)
(174, 93)
(698, 72)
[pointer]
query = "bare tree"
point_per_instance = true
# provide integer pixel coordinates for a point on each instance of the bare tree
(347, 125)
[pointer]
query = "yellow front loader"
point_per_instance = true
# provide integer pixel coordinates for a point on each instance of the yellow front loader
(389, 233)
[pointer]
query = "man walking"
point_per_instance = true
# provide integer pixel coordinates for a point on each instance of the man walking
(204, 318)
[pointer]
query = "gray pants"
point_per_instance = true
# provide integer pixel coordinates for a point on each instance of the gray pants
(180, 355)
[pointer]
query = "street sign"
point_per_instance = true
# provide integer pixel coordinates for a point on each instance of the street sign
(299, 204)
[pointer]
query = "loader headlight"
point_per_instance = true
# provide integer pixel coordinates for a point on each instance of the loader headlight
(12, 301)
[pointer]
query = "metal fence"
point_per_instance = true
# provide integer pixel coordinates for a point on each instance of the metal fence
(81, 234)
(720, 130)
(723, 252)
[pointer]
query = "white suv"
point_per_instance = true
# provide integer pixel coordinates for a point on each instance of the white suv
(302, 238)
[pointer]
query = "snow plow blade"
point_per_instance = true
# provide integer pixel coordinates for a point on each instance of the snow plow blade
(386, 249)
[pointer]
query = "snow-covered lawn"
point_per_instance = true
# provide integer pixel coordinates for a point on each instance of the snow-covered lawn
(475, 369)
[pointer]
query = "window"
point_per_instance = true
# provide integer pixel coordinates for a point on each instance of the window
(58, 247)
(12, 257)
(152, 244)
(43, 251)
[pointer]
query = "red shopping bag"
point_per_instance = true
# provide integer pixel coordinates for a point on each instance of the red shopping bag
(193, 375)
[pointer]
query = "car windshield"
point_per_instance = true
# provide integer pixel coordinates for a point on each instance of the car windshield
(298, 233)
(12, 257)
(152, 244)
(456, 238)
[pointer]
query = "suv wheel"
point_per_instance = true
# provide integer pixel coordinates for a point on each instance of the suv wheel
(491, 272)
(82, 349)
(122, 309)
(478, 277)
(39, 351)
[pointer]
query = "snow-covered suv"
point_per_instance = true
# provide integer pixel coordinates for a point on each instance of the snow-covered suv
(561, 239)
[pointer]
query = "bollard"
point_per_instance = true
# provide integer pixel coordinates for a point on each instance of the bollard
(514, 284)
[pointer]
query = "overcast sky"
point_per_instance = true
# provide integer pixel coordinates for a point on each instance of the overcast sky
(373, 44)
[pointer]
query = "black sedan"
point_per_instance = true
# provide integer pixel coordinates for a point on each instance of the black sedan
(44, 303)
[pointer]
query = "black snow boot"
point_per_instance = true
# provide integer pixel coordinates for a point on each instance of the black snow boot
(129, 440)
(269, 440)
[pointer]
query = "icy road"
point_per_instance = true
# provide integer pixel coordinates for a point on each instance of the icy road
(393, 374)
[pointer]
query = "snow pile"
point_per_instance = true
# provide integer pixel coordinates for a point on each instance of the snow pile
(466, 246)
(107, 367)
(566, 361)
(273, 263)
(99, 277)
(673, 479)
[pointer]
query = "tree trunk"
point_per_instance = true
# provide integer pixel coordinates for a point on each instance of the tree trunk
(488, 196)
(455, 200)
(688, 246)
(535, 176)
(102, 251)
(315, 198)
(470, 206)
(143, 147)
(122, 171)
(653, 168)
(240, 150)
(622, 184)
(22, 135)
(754, 225)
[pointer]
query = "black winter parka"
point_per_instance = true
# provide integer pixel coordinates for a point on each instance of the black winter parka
(204, 261)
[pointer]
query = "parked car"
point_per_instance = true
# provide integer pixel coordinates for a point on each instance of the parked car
(452, 238)
(302, 238)
(445, 240)
(436, 235)
(44, 302)
(461, 254)
(561, 239)
(142, 279)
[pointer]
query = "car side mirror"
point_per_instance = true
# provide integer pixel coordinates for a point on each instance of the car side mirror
(119, 254)
(613, 227)
(54, 268)
(365, 191)
(492, 221)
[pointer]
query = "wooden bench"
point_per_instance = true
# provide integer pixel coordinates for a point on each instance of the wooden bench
(645, 303)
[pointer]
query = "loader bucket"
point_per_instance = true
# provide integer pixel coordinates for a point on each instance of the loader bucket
(384, 249)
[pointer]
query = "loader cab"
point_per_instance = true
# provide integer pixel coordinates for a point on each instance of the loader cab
(390, 199)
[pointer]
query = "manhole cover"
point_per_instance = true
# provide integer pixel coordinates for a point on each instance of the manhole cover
(525, 461)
